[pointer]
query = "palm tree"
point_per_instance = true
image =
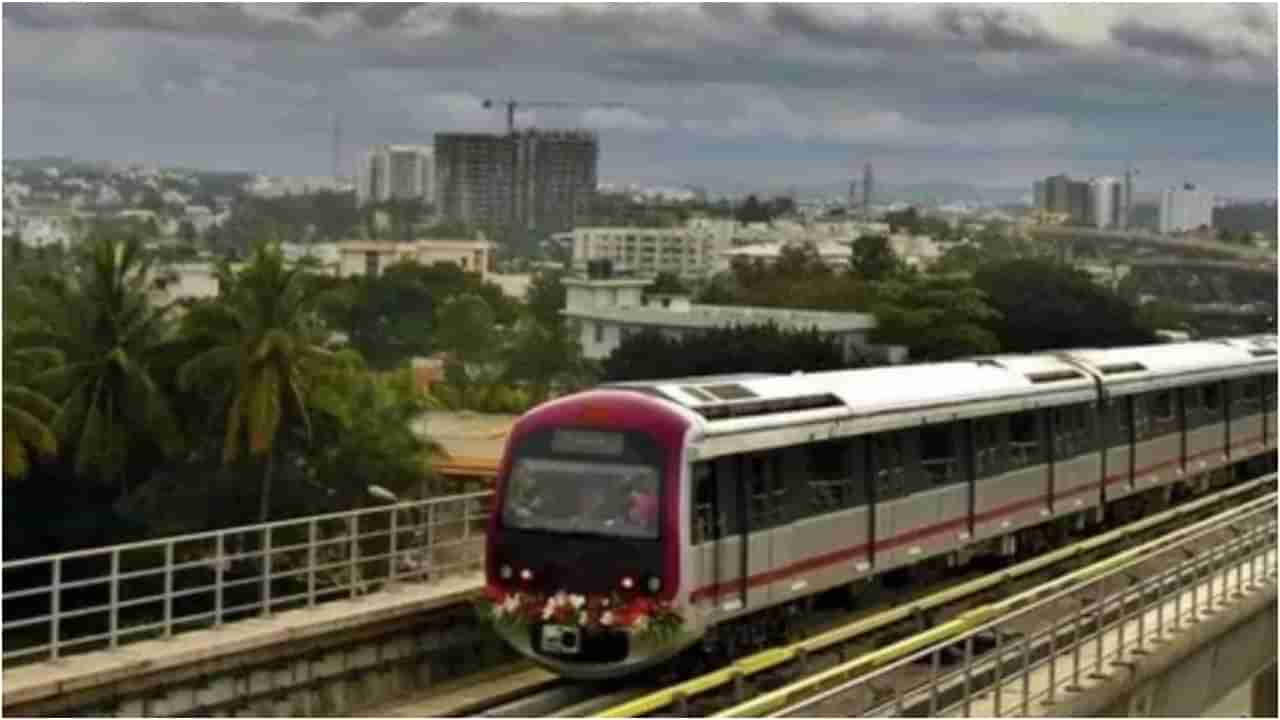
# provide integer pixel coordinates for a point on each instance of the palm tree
(257, 350)
(27, 412)
(101, 323)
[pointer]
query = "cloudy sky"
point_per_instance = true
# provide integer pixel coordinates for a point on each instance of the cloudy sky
(728, 96)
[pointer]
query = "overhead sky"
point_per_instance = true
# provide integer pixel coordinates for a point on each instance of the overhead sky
(726, 96)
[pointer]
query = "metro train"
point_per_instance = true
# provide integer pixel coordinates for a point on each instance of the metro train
(634, 520)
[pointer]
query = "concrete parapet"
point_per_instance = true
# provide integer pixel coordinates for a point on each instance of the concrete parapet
(333, 659)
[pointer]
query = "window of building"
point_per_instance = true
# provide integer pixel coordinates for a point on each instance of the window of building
(599, 331)
(371, 263)
(1024, 439)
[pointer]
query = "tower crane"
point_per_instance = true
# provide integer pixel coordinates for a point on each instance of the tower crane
(513, 104)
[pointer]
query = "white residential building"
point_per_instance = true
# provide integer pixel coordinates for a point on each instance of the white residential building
(606, 310)
(686, 252)
(371, 258)
(396, 171)
(1185, 208)
(1106, 195)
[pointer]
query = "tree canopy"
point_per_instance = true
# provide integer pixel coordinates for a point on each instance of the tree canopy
(1047, 306)
(757, 348)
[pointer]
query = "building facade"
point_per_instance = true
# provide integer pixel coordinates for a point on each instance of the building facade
(397, 172)
(604, 311)
(371, 258)
(528, 180)
(1185, 208)
(684, 251)
(1106, 195)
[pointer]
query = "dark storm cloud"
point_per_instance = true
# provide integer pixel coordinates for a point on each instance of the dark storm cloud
(1183, 44)
(771, 72)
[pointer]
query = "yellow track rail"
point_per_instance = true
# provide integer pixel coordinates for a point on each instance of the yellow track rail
(773, 657)
(789, 694)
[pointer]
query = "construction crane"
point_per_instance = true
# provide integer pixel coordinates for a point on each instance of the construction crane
(512, 104)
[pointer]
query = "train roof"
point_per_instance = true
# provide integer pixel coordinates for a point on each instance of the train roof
(896, 395)
(1136, 369)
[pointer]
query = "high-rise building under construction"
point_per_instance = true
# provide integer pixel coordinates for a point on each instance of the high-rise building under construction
(530, 180)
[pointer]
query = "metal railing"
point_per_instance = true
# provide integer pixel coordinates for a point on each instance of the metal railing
(1115, 616)
(98, 598)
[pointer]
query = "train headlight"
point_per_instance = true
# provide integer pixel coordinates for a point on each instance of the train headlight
(504, 572)
(526, 574)
(654, 584)
(628, 583)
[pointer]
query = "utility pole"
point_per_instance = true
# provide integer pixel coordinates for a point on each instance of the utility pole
(337, 143)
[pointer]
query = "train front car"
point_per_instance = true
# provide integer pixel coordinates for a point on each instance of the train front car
(583, 556)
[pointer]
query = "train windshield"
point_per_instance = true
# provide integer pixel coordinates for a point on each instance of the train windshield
(583, 497)
(554, 487)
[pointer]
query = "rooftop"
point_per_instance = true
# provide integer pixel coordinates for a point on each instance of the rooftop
(711, 316)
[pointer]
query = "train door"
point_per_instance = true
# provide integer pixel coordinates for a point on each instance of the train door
(717, 536)
(765, 485)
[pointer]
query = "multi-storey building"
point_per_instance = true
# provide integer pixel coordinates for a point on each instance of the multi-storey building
(1107, 196)
(1185, 208)
(527, 180)
(684, 251)
(400, 172)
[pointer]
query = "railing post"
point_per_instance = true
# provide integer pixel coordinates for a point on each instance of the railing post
(266, 571)
(1053, 665)
(428, 565)
(219, 561)
(392, 557)
(353, 551)
(168, 589)
(1076, 643)
(55, 608)
(999, 669)
(1026, 675)
(312, 551)
(968, 670)
(113, 605)
(934, 665)
(1097, 645)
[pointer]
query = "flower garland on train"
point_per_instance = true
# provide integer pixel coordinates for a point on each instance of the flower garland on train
(639, 615)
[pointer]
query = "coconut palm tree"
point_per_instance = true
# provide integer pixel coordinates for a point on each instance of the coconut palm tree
(27, 411)
(100, 321)
(257, 352)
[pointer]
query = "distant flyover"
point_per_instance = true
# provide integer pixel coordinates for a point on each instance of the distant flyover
(1138, 237)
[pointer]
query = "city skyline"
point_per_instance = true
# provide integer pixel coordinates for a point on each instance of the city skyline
(778, 95)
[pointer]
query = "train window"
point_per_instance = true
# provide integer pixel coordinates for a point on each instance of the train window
(832, 481)
(1024, 439)
(1161, 406)
(986, 446)
(1192, 400)
(1246, 396)
(768, 493)
(1070, 430)
(1142, 427)
(1211, 394)
(889, 459)
(938, 457)
(706, 520)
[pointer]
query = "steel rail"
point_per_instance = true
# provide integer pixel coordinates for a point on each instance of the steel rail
(775, 657)
(981, 617)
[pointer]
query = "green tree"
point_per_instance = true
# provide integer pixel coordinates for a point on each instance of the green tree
(753, 211)
(543, 357)
(1046, 306)
(756, 348)
(873, 259)
(667, 283)
(937, 318)
(388, 318)
(187, 232)
(546, 297)
(465, 329)
(258, 352)
(27, 411)
(101, 322)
